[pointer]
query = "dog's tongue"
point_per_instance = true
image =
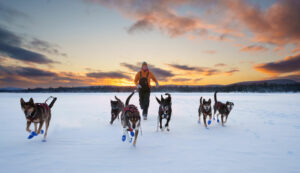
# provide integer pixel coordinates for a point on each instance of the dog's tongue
(130, 129)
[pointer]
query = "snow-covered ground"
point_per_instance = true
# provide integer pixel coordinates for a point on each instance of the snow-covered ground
(262, 135)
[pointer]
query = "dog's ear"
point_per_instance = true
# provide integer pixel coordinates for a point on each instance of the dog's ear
(209, 101)
(169, 99)
(22, 102)
(31, 101)
(161, 98)
(158, 100)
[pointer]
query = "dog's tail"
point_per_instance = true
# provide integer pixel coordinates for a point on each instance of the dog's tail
(53, 101)
(128, 99)
(200, 100)
(216, 97)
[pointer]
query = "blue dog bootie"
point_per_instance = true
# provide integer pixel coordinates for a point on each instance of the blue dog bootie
(218, 121)
(199, 122)
(209, 122)
(123, 138)
(32, 134)
(42, 131)
(132, 133)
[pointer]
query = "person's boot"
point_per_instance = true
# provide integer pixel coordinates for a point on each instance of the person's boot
(145, 114)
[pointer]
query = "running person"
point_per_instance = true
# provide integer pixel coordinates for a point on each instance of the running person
(142, 81)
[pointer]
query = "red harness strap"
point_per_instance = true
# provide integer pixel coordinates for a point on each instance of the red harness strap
(44, 105)
(131, 108)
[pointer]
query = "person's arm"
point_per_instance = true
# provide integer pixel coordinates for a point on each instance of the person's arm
(151, 75)
(137, 78)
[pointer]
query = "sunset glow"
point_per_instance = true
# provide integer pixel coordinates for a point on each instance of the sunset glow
(103, 42)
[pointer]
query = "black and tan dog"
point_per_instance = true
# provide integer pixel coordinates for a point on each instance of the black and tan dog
(116, 108)
(205, 110)
(37, 113)
(164, 111)
(131, 121)
(222, 108)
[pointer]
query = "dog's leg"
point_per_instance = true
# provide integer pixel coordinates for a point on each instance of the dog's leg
(35, 127)
(167, 123)
(124, 134)
(226, 117)
(199, 114)
(47, 126)
(135, 137)
(204, 120)
(28, 126)
(40, 127)
(210, 118)
(157, 123)
(222, 119)
(160, 123)
(218, 118)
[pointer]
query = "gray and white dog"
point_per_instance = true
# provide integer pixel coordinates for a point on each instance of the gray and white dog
(205, 110)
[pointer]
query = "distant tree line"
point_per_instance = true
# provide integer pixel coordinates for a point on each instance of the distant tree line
(256, 87)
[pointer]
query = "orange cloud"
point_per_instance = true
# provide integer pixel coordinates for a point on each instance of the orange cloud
(253, 48)
(288, 65)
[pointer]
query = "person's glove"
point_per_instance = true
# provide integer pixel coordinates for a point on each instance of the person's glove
(139, 86)
(157, 85)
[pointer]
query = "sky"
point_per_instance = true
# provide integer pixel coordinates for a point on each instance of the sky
(53, 43)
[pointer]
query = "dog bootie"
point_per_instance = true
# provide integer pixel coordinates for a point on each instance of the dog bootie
(214, 118)
(130, 140)
(199, 122)
(132, 133)
(218, 120)
(32, 134)
(123, 138)
(42, 131)
(44, 140)
(209, 122)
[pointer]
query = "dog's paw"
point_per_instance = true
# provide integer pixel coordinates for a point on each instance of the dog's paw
(199, 122)
(44, 140)
(123, 138)
(209, 122)
(132, 133)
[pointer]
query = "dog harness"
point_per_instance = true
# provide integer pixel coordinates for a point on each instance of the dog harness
(130, 108)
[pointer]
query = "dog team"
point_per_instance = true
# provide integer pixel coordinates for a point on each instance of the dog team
(40, 113)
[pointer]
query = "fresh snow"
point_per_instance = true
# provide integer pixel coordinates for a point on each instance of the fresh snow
(262, 135)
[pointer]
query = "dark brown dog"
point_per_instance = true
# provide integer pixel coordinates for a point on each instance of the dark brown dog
(116, 107)
(222, 108)
(37, 113)
(131, 121)
(205, 109)
(164, 111)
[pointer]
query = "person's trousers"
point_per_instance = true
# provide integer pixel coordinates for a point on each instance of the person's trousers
(144, 101)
